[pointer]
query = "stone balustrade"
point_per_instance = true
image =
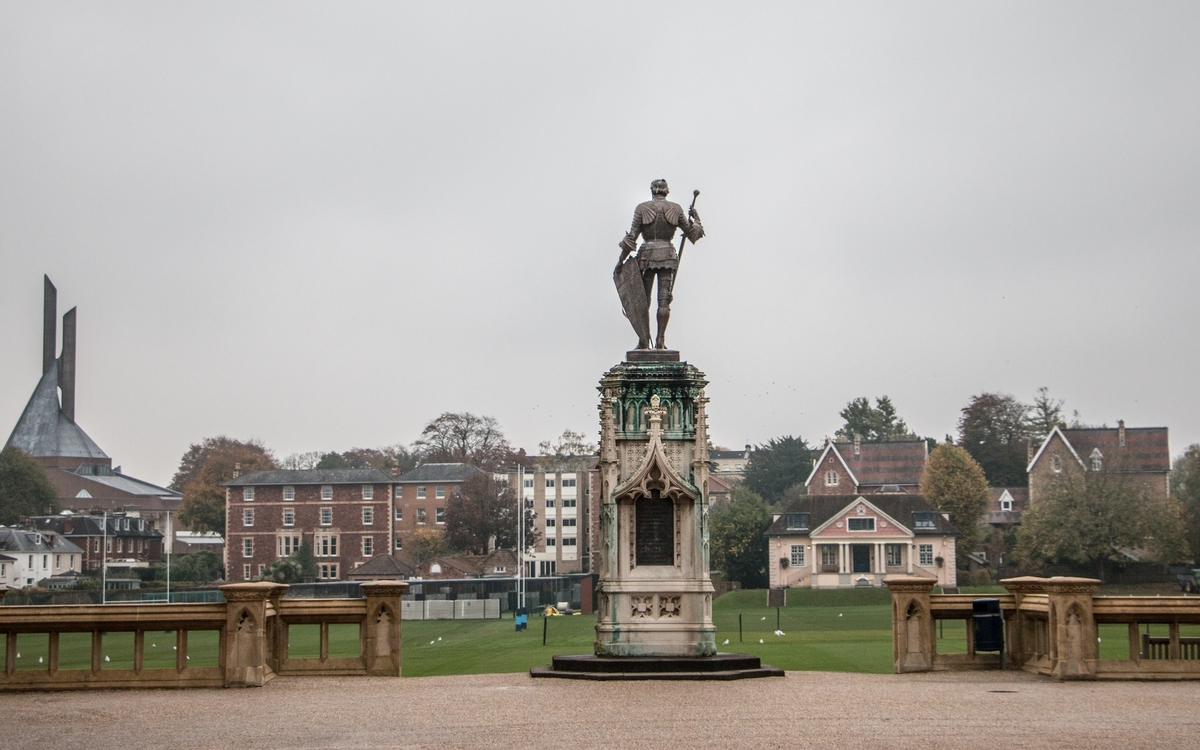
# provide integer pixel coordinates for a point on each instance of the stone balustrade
(246, 640)
(1051, 628)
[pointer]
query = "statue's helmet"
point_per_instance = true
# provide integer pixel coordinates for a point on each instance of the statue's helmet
(659, 187)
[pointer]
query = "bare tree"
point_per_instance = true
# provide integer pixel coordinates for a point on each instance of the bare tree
(466, 438)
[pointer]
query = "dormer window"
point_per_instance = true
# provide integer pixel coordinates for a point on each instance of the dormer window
(1006, 504)
(797, 521)
(1097, 460)
(924, 520)
(1056, 463)
(831, 479)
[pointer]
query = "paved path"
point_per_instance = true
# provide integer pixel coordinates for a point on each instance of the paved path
(805, 709)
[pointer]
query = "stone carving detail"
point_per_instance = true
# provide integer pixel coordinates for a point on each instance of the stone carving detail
(678, 538)
(602, 600)
(642, 606)
(668, 606)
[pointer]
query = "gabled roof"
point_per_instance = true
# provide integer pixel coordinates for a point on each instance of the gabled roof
(311, 476)
(1146, 449)
(440, 473)
(824, 508)
(891, 462)
(43, 431)
(385, 566)
(830, 448)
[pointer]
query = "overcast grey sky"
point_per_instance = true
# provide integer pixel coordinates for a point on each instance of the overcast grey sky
(323, 224)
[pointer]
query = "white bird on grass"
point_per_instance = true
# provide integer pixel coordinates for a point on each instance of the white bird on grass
(439, 638)
(839, 614)
(39, 660)
(107, 659)
(153, 645)
(778, 632)
(726, 643)
(762, 618)
(432, 642)
(760, 640)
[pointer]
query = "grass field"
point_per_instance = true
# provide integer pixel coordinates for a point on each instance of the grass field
(833, 630)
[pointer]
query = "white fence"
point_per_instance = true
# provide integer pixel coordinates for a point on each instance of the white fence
(461, 609)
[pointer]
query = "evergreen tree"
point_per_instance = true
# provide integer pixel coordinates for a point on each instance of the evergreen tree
(994, 429)
(25, 490)
(780, 464)
(737, 545)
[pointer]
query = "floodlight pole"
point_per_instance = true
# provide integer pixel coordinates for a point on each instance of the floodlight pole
(104, 560)
(520, 536)
(170, 543)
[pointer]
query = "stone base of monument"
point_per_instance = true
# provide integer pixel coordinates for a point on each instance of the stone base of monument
(719, 667)
(652, 355)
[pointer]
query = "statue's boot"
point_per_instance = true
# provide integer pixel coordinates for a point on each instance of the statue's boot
(664, 315)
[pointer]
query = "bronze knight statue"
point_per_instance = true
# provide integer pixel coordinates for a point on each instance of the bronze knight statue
(656, 221)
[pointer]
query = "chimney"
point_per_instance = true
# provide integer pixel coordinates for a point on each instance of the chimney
(49, 324)
(237, 470)
(1028, 451)
(1121, 432)
(747, 456)
(857, 444)
(66, 367)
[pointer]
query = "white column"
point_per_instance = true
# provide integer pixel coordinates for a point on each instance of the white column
(908, 555)
(844, 557)
(815, 555)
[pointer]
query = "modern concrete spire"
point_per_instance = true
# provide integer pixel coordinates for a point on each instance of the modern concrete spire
(49, 325)
(66, 366)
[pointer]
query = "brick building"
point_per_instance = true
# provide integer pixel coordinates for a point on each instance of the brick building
(344, 514)
(1141, 454)
(860, 468)
(129, 542)
(421, 497)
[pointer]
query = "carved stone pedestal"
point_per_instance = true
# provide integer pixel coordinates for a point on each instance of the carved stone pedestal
(655, 597)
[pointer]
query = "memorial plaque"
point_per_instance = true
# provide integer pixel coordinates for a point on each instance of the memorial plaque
(655, 529)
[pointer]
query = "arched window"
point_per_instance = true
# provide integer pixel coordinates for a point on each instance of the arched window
(831, 479)
(1056, 463)
(1097, 460)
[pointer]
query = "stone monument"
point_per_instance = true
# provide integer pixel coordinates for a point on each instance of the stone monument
(654, 597)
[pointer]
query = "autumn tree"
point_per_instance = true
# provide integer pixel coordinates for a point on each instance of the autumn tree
(954, 483)
(465, 438)
(994, 429)
(481, 511)
(301, 461)
(1045, 415)
(782, 463)
(25, 490)
(1086, 518)
(202, 471)
(737, 545)
(425, 544)
(873, 424)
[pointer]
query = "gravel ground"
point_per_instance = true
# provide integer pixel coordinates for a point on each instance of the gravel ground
(803, 709)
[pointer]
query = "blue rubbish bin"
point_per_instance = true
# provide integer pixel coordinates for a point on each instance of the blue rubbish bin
(522, 618)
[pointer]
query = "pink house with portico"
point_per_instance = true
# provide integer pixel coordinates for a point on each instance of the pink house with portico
(844, 541)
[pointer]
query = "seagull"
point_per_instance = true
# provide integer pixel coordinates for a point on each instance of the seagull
(107, 659)
(18, 654)
(778, 632)
(188, 658)
(439, 638)
(760, 640)
(762, 618)
(39, 660)
(839, 614)
(176, 648)
(153, 645)
(432, 642)
(726, 643)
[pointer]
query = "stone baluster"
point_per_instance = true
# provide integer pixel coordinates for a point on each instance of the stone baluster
(912, 624)
(381, 630)
(1074, 650)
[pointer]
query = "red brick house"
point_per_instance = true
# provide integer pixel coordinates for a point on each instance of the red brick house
(860, 468)
(342, 513)
(1142, 454)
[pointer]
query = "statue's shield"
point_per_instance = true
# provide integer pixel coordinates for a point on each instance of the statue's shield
(632, 292)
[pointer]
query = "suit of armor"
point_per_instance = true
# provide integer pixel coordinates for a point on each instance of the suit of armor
(656, 221)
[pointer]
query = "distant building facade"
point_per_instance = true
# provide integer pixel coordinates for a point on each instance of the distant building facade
(343, 514)
(859, 468)
(130, 541)
(422, 495)
(727, 464)
(846, 541)
(29, 557)
(559, 502)
(1140, 454)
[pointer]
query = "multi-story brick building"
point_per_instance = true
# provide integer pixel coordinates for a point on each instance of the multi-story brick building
(422, 495)
(559, 501)
(344, 514)
(1142, 455)
(860, 468)
(130, 541)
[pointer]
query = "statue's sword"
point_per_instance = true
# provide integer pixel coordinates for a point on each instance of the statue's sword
(683, 241)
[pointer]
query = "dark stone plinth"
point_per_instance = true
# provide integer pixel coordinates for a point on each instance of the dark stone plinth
(652, 355)
(719, 667)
